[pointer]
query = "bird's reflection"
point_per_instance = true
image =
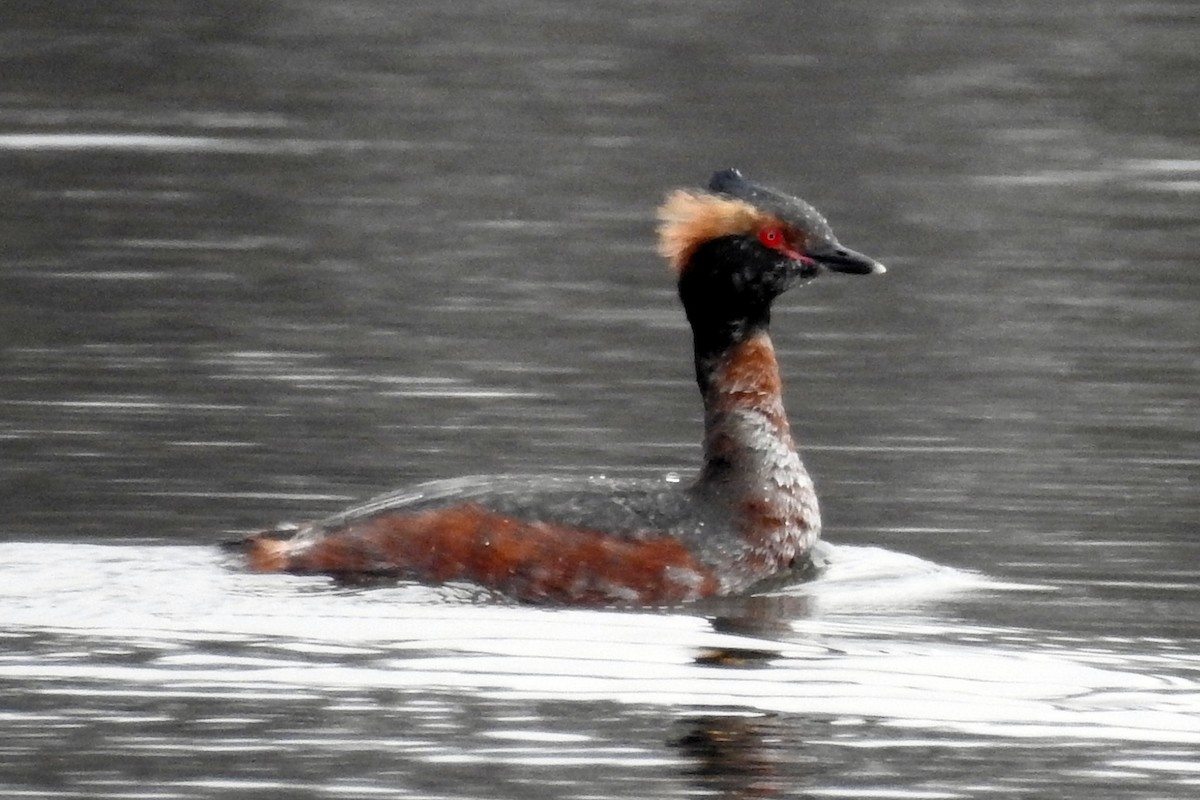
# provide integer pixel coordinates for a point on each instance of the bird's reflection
(765, 616)
(738, 756)
(729, 756)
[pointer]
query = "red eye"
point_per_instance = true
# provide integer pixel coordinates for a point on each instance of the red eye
(772, 238)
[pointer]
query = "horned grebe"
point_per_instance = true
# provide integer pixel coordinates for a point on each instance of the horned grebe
(750, 514)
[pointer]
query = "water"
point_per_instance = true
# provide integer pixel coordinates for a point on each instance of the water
(264, 260)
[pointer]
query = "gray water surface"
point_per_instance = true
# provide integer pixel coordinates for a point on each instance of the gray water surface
(259, 261)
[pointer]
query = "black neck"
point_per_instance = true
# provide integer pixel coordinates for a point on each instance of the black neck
(724, 304)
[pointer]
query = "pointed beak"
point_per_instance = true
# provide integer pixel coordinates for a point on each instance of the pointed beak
(842, 259)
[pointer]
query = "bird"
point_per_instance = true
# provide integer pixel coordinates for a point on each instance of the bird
(749, 515)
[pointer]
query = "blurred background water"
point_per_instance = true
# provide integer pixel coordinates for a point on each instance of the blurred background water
(260, 260)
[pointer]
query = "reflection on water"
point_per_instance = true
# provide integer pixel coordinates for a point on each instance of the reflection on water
(269, 667)
(264, 260)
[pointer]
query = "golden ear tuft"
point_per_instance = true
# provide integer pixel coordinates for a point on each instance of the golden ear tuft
(688, 219)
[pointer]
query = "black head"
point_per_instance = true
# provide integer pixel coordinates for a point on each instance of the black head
(808, 231)
(739, 245)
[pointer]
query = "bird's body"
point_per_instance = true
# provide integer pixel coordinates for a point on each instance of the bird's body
(749, 515)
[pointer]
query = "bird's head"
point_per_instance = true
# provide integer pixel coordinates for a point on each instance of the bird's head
(738, 245)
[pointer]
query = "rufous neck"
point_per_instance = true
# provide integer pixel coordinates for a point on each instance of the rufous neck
(745, 425)
(751, 466)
